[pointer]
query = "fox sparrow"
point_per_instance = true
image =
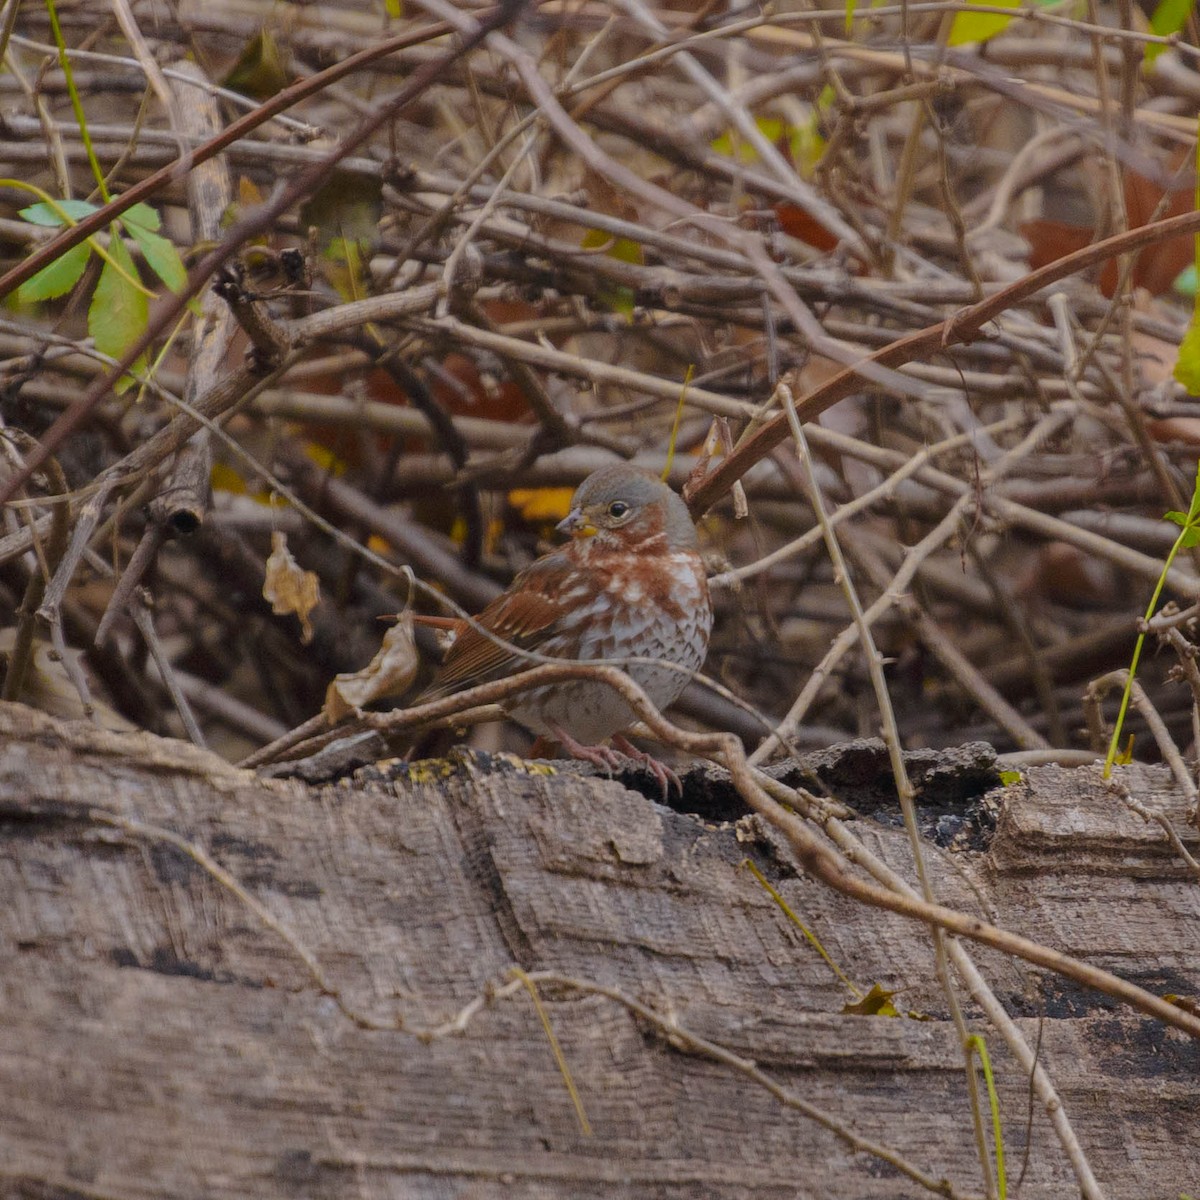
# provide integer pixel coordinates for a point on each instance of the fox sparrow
(629, 585)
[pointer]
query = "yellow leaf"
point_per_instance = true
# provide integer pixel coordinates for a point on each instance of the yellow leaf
(249, 193)
(876, 1003)
(733, 146)
(625, 249)
(978, 26)
(289, 588)
(223, 478)
(541, 504)
(618, 298)
(325, 458)
(1189, 1004)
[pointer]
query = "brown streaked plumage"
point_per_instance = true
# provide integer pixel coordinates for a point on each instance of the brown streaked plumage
(629, 585)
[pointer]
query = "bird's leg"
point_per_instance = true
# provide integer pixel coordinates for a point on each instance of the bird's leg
(610, 760)
(665, 776)
(598, 756)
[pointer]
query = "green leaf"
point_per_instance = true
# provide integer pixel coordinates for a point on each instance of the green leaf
(624, 249)
(614, 296)
(1008, 778)
(160, 254)
(724, 145)
(979, 27)
(802, 143)
(119, 311)
(394, 8)
(58, 278)
(1125, 757)
(142, 215)
(1189, 538)
(49, 214)
(261, 70)
(1192, 516)
(1186, 282)
(850, 7)
(1187, 367)
(772, 128)
(876, 1003)
(1169, 17)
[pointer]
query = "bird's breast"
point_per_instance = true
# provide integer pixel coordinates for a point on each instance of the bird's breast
(649, 615)
(650, 608)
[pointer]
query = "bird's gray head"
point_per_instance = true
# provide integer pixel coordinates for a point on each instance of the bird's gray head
(622, 506)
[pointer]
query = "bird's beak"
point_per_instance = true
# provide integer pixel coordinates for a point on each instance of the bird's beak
(576, 525)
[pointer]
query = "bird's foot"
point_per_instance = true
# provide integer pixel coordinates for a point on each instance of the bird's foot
(665, 776)
(598, 756)
(610, 760)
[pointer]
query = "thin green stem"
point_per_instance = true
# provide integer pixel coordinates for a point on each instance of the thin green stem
(7, 24)
(1137, 652)
(76, 104)
(977, 1044)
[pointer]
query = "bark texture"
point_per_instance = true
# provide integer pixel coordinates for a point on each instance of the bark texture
(165, 1035)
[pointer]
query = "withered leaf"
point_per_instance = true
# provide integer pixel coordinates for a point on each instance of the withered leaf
(389, 673)
(289, 588)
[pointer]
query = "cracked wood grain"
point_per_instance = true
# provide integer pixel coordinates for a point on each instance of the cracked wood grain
(197, 1057)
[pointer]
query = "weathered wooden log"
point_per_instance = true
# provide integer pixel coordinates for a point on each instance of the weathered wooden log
(218, 985)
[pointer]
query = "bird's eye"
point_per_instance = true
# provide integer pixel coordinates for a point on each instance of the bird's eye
(618, 509)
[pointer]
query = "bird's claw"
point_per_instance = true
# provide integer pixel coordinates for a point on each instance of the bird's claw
(610, 760)
(665, 776)
(598, 756)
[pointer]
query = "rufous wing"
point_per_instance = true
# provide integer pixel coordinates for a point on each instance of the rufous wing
(525, 616)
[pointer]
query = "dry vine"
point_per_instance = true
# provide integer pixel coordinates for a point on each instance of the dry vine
(464, 256)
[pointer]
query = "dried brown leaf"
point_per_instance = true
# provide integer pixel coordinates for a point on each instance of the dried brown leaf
(389, 673)
(289, 588)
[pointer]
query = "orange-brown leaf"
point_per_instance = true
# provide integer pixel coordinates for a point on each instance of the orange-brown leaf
(289, 588)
